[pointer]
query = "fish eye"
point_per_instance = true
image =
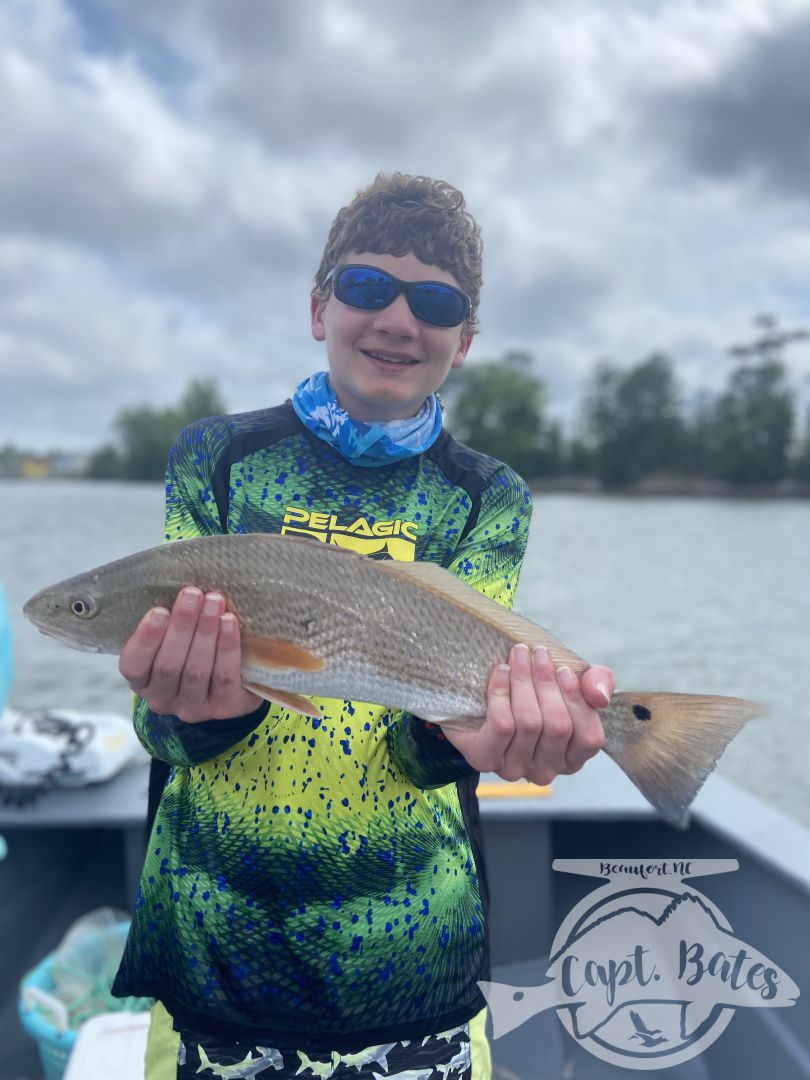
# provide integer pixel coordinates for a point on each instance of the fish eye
(83, 607)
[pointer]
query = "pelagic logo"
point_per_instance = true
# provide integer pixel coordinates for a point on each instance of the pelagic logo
(645, 972)
(392, 538)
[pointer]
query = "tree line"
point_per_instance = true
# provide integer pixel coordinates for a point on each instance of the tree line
(144, 435)
(634, 423)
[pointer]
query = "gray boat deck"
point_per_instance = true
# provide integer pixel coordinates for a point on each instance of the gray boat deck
(75, 850)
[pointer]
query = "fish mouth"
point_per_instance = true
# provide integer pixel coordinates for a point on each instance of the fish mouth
(65, 639)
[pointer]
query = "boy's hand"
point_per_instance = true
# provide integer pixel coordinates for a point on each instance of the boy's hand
(187, 663)
(540, 723)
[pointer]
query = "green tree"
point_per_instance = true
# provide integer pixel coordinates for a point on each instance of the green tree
(500, 409)
(800, 468)
(633, 425)
(105, 464)
(752, 425)
(145, 434)
(753, 420)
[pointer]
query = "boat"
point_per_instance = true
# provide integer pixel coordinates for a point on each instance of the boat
(74, 850)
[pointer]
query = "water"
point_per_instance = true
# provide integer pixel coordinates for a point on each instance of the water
(674, 594)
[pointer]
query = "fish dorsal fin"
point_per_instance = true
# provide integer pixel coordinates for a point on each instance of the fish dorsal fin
(437, 580)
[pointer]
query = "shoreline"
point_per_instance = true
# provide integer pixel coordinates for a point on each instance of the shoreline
(670, 486)
(652, 486)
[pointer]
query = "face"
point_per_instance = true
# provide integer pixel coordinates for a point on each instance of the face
(384, 363)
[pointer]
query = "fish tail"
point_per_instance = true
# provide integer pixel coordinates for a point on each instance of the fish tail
(669, 743)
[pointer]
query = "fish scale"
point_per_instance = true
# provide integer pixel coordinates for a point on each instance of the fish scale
(320, 620)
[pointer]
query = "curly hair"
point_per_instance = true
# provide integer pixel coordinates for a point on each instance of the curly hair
(397, 214)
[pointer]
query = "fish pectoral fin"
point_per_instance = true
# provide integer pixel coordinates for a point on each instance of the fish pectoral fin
(457, 723)
(285, 698)
(273, 652)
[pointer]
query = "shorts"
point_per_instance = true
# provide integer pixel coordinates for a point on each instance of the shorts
(461, 1053)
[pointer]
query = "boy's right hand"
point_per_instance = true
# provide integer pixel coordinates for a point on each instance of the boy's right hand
(187, 662)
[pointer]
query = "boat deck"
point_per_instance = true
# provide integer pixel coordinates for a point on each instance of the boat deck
(85, 847)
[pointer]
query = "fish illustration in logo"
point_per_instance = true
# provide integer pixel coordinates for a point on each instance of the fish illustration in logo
(243, 1070)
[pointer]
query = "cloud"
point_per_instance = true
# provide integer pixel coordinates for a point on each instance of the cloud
(170, 173)
(748, 119)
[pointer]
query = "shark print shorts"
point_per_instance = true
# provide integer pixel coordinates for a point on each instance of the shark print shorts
(438, 1057)
(447, 1055)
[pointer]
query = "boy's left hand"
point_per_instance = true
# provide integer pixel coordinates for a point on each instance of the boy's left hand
(539, 723)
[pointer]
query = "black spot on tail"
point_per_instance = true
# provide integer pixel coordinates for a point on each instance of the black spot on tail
(641, 712)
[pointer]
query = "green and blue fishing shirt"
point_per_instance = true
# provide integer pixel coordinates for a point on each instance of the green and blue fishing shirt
(322, 878)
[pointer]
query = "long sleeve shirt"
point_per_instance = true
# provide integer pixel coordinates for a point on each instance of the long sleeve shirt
(322, 875)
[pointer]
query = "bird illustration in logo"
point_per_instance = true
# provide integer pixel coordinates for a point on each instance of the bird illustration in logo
(646, 1036)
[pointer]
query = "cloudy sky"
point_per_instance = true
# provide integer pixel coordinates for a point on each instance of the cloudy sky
(168, 173)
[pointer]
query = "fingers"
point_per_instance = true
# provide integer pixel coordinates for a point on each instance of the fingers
(598, 684)
(539, 723)
(557, 723)
(588, 734)
(228, 696)
(163, 688)
(195, 675)
(484, 749)
(187, 663)
(528, 711)
(137, 656)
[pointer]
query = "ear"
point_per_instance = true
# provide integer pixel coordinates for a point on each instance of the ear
(317, 306)
(463, 348)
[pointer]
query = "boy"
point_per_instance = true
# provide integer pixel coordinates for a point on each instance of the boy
(313, 900)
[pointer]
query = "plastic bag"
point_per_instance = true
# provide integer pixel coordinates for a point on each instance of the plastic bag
(85, 964)
(42, 749)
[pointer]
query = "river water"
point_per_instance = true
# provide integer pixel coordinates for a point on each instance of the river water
(675, 594)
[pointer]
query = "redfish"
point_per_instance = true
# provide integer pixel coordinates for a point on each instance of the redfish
(320, 620)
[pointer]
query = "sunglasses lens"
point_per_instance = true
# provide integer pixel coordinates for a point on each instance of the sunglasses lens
(438, 304)
(364, 287)
(371, 289)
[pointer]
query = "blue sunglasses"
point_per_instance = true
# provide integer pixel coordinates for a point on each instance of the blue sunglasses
(371, 289)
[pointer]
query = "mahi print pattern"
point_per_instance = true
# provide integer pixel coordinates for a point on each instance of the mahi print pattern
(446, 1056)
(321, 875)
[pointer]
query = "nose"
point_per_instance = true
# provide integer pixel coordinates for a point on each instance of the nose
(397, 319)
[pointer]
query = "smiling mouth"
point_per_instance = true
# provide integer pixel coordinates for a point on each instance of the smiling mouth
(395, 361)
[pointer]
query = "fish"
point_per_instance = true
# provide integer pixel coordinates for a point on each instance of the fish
(320, 1069)
(377, 1055)
(409, 1074)
(321, 620)
(457, 1065)
(249, 1066)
